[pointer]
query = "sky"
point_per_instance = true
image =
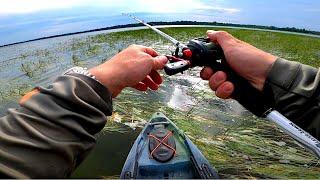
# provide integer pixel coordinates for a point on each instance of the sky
(22, 20)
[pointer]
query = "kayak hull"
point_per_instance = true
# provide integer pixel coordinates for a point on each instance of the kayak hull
(187, 162)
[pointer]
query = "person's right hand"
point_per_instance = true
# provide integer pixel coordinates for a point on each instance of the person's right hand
(246, 60)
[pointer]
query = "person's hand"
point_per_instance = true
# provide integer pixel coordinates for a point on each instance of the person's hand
(246, 60)
(134, 67)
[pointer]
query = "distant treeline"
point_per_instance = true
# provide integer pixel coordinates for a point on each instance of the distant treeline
(291, 29)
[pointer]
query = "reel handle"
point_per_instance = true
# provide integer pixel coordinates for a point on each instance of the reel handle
(176, 67)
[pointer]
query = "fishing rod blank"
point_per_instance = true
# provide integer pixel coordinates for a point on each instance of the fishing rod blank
(171, 39)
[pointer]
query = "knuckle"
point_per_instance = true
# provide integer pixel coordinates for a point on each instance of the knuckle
(212, 85)
(145, 55)
(219, 93)
(222, 33)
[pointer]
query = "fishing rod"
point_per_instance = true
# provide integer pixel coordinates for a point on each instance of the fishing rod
(203, 52)
(171, 39)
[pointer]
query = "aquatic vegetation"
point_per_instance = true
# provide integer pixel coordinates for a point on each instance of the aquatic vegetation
(75, 60)
(32, 68)
(14, 92)
(93, 50)
(237, 143)
(78, 44)
(26, 68)
(114, 127)
(243, 151)
(41, 53)
(23, 56)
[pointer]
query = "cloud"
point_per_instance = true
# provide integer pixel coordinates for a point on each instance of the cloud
(27, 6)
(9, 7)
(219, 9)
(180, 6)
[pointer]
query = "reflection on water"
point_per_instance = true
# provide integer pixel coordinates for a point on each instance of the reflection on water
(180, 100)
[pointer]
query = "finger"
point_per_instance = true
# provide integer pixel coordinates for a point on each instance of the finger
(150, 83)
(155, 76)
(218, 35)
(221, 37)
(206, 73)
(159, 62)
(225, 90)
(140, 86)
(217, 79)
(150, 51)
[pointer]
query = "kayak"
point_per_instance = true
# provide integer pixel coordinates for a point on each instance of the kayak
(163, 151)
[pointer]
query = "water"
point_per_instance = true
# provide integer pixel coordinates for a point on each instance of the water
(179, 99)
(107, 158)
(227, 134)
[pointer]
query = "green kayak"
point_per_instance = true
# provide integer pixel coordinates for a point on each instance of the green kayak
(162, 151)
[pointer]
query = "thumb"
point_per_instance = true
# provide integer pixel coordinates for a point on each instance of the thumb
(212, 35)
(220, 37)
(159, 62)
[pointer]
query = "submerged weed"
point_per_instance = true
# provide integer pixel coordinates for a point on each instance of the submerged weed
(93, 50)
(32, 68)
(75, 60)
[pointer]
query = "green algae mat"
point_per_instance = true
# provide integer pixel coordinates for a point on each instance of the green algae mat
(237, 143)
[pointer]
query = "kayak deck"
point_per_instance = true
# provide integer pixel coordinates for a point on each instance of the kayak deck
(179, 167)
(183, 165)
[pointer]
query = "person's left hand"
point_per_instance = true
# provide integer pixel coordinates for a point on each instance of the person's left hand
(134, 67)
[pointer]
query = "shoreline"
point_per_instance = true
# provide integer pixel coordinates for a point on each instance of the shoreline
(130, 27)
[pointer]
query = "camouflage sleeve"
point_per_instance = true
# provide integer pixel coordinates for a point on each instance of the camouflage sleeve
(53, 130)
(294, 88)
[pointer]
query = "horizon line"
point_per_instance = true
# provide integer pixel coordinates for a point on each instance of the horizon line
(249, 26)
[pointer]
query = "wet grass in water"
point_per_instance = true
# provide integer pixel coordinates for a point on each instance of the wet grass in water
(238, 144)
